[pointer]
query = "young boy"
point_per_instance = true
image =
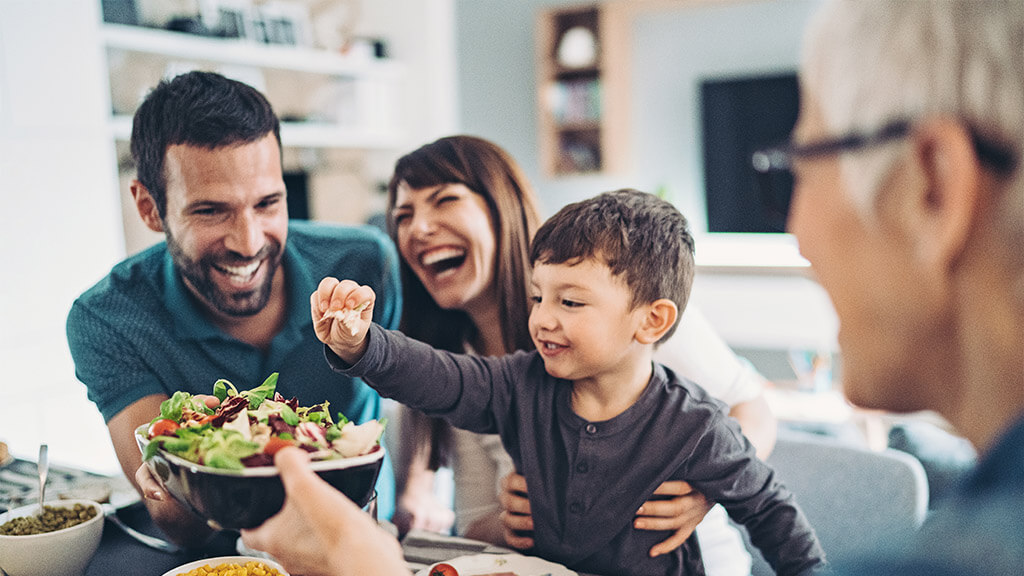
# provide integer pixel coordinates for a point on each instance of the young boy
(591, 422)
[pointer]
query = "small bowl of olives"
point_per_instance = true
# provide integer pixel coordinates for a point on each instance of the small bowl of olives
(62, 540)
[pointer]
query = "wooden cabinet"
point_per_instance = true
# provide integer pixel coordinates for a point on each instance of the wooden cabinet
(582, 94)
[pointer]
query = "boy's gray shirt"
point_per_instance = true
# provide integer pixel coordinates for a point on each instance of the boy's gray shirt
(588, 479)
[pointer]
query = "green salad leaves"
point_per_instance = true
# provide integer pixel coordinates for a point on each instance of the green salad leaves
(247, 428)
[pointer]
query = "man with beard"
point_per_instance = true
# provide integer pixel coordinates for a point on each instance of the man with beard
(227, 294)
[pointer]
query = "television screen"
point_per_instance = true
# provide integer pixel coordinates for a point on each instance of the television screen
(738, 116)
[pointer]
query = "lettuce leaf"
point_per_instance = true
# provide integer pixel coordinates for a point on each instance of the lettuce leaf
(226, 449)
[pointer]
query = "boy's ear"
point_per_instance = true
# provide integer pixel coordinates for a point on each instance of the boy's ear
(146, 207)
(659, 316)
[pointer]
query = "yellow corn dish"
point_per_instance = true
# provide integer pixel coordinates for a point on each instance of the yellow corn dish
(251, 568)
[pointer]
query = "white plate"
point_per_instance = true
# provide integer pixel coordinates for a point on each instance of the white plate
(223, 560)
(490, 563)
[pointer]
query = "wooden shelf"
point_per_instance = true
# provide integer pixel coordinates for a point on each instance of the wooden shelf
(583, 110)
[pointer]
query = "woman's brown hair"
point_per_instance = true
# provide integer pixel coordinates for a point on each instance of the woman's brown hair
(491, 172)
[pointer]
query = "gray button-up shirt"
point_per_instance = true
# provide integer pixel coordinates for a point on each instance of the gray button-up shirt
(587, 479)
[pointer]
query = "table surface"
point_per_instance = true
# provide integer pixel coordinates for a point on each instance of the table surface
(118, 551)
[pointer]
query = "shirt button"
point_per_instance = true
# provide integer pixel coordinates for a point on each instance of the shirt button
(591, 429)
(582, 467)
(576, 508)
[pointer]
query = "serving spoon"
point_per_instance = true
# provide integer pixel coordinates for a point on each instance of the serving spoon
(44, 468)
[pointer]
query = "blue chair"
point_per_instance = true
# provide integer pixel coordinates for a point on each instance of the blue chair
(853, 497)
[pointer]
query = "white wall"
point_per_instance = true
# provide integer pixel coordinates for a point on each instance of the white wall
(421, 35)
(673, 49)
(60, 216)
(60, 223)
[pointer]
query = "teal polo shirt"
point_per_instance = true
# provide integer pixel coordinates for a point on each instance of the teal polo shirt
(140, 332)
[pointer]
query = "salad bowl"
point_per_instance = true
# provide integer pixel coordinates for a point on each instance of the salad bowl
(237, 499)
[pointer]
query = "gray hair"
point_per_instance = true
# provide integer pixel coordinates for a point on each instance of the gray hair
(869, 62)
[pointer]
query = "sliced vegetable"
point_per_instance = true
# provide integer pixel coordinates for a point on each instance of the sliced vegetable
(162, 427)
(443, 569)
(276, 443)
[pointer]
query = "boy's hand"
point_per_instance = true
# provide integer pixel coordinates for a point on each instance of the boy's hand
(342, 313)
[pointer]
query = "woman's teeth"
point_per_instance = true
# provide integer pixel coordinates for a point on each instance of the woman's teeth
(440, 255)
(443, 260)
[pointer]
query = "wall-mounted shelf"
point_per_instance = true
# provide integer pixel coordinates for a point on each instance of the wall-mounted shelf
(582, 95)
(325, 99)
(340, 112)
(178, 45)
(295, 135)
(750, 254)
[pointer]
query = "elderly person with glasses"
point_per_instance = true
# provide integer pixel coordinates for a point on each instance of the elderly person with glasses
(909, 204)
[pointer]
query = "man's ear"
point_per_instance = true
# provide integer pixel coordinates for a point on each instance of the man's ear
(948, 205)
(146, 206)
(659, 316)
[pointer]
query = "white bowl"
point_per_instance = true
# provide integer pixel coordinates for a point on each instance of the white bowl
(185, 568)
(66, 552)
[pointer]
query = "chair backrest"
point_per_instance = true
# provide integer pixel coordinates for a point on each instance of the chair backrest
(853, 497)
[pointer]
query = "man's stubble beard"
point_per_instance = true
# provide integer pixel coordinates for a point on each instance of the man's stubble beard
(198, 274)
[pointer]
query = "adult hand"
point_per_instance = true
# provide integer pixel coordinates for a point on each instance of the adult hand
(177, 522)
(681, 513)
(515, 515)
(152, 488)
(419, 509)
(320, 531)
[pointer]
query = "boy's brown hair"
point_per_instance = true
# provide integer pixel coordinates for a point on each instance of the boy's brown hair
(637, 234)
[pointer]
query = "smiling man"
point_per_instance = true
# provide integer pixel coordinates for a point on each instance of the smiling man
(225, 296)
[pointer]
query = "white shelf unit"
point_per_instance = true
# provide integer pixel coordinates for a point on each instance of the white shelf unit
(297, 135)
(303, 84)
(340, 114)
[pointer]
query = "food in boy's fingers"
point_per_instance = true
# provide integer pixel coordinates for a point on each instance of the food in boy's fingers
(349, 317)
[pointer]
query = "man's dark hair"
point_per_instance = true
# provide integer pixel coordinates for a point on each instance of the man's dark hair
(635, 233)
(200, 109)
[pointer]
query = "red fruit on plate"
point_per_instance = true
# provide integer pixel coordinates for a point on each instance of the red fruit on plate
(443, 570)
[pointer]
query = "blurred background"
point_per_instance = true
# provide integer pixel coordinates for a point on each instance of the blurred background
(668, 96)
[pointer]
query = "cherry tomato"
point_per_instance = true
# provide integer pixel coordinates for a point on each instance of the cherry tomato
(443, 570)
(207, 418)
(274, 444)
(162, 427)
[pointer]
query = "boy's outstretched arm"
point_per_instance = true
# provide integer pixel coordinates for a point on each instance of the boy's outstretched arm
(342, 313)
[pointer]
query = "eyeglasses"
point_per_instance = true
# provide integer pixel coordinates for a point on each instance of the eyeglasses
(774, 165)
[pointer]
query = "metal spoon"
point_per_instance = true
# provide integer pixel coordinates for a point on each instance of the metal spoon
(44, 467)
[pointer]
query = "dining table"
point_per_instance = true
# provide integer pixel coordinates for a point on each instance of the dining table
(121, 553)
(132, 543)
